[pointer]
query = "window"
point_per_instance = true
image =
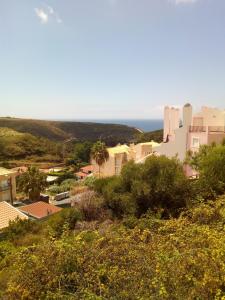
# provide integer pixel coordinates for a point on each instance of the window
(195, 142)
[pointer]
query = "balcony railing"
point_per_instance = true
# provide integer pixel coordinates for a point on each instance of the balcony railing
(197, 128)
(217, 129)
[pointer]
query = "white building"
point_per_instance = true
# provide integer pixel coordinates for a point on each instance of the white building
(201, 128)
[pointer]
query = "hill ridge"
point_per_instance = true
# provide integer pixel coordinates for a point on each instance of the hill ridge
(62, 130)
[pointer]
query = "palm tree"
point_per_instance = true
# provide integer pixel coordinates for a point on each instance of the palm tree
(100, 154)
(32, 183)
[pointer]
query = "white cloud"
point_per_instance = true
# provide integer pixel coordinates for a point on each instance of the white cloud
(42, 15)
(50, 9)
(47, 12)
(54, 14)
(183, 1)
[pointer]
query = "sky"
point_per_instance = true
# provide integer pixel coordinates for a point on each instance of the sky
(99, 59)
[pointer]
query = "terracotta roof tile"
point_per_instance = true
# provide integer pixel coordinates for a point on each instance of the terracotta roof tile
(81, 174)
(40, 209)
(86, 169)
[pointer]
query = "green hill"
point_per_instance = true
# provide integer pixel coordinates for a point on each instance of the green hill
(7, 132)
(59, 130)
(16, 145)
(156, 135)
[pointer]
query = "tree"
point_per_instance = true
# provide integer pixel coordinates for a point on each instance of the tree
(82, 152)
(100, 154)
(157, 185)
(162, 185)
(2, 148)
(210, 163)
(32, 183)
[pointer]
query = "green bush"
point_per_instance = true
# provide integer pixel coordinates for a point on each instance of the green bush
(65, 186)
(90, 181)
(66, 218)
(177, 260)
(210, 163)
(18, 228)
(159, 185)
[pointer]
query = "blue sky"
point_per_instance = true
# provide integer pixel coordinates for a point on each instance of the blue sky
(110, 58)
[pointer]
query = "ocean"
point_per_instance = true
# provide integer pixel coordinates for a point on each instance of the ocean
(144, 124)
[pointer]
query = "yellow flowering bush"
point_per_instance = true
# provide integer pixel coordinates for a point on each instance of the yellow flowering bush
(178, 259)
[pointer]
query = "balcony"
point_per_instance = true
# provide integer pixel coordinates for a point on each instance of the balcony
(211, 129)
(197, 128)
(217, 129)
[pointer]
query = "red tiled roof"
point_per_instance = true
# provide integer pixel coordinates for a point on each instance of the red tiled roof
(81, 174)
(40, 209)
(87, 169)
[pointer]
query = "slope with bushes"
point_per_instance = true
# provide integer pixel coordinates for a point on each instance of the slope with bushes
(15, 145)
(145, 258)
(147, 234)
(59, 131)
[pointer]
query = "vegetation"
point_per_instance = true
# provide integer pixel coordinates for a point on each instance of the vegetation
(66, 219)
(100, 154)
(32, 183)
(82, 131)
(159, 185)
(180, 258)
(17, 146)
(147, 234)
(80, 155)
(63, 175)
(35, 141)
(156, 136)
(64, 186)
(209, 162)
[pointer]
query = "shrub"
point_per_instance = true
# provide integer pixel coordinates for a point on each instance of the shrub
(90, 181)
(159, 185)
(65, 186)
(91, 207)
(210, 163)
(19, 228)
(178, 260)
(66, 217)
(101, 183)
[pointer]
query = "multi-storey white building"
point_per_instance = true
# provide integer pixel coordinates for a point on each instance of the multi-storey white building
(201, 128)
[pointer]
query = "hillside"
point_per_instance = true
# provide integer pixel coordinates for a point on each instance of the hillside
(16, 145)
(149, 233)
(60, 130)
(156, 136)
(7, 132)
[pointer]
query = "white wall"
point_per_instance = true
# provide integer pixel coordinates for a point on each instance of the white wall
(176, 147)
